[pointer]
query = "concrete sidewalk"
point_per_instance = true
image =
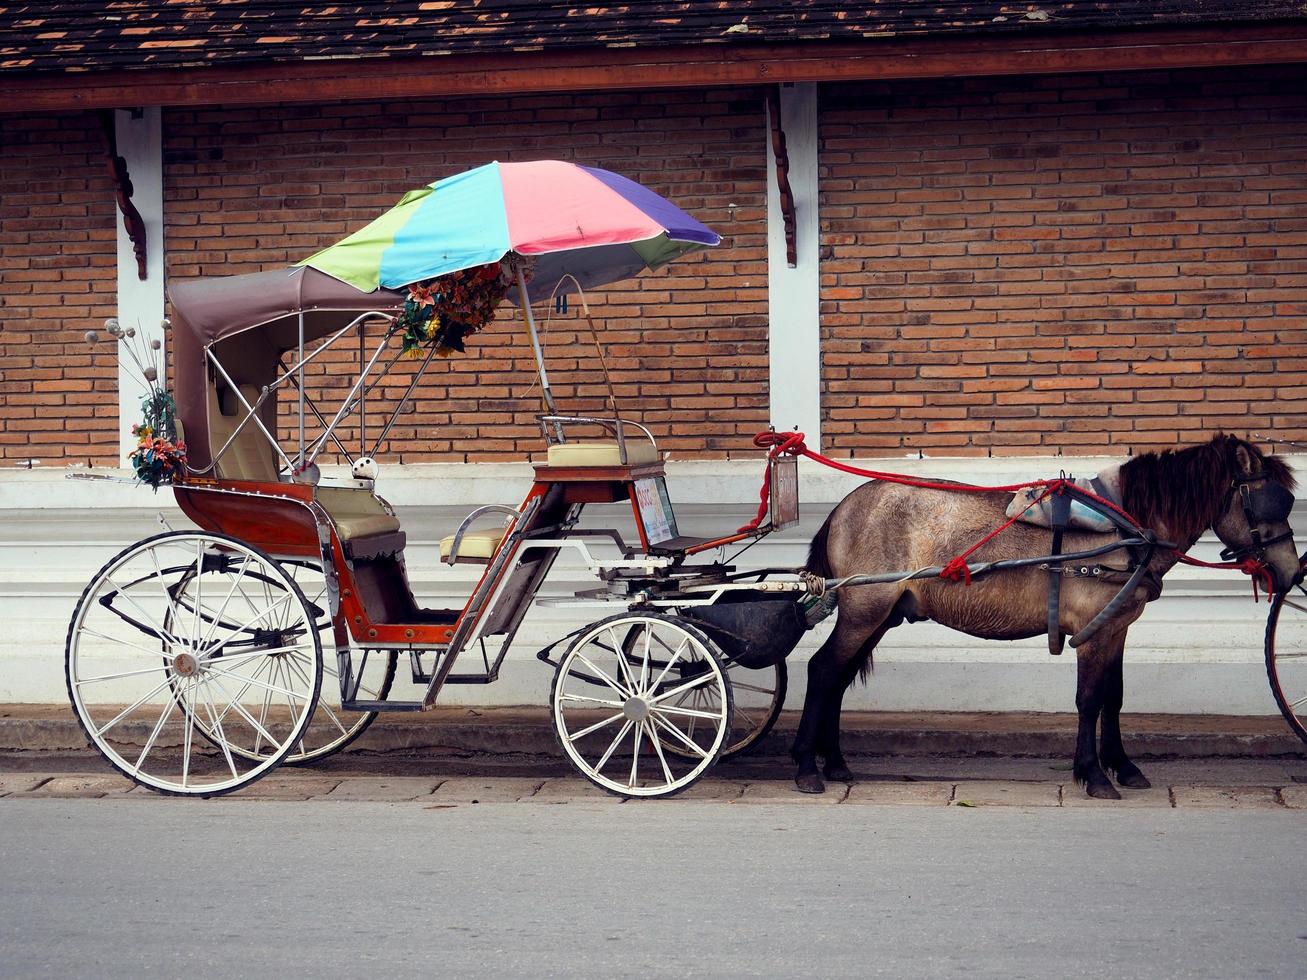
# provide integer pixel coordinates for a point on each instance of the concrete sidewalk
(526, 732)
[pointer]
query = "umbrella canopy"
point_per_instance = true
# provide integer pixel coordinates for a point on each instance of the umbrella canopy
(582, 221)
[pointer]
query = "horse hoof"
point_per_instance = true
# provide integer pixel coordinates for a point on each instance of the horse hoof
(809, 783)
(839, 774)
(1133, 780)
(1102, 791)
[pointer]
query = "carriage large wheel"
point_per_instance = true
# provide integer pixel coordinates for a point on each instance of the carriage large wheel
(332, 727)
(757, 699)
(187, 626)
(1286, 656)
(615, 703)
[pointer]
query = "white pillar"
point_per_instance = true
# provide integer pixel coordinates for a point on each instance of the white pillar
(794, 295)
(140, 302)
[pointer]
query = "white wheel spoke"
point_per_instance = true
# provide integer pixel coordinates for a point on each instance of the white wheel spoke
(635, 755)
(741, 686)
(262, 614)
(688, 685)
(126, 673)
(678, 734)
(617, 741)
(608, 680)
(689, 713)
(188, 738)
(167, 636)
(197, 629)
(582, 697)
(240, 710)
(658, 747)
(217, 618)
(132, 707)
(221, 735)
(228, 659)
(644, 663)
(619, 651)
(127, 643)
(576, 736)
(676, 655)
(158, 727)
(259, 684)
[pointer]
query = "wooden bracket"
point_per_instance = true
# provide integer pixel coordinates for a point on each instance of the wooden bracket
(782, 175)
(122, 189)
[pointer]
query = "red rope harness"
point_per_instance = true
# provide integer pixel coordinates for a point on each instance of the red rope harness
(791, 444)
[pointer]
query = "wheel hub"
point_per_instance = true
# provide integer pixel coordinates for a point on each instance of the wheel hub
(636, 709)
(185, 664)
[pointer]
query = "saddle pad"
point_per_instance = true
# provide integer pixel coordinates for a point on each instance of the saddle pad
(1107, 483)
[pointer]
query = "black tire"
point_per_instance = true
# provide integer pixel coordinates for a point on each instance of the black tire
(1292, 702)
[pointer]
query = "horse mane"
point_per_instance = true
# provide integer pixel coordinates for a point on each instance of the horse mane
(1183, 489)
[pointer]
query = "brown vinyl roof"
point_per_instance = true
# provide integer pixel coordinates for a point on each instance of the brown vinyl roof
(80, 35)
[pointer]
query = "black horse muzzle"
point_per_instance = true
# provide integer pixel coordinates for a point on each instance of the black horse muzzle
(1269, 504)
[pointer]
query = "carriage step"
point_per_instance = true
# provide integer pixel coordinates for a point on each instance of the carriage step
(471, 678)
(383, 706)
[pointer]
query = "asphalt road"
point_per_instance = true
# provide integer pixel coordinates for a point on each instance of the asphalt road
(125, 888)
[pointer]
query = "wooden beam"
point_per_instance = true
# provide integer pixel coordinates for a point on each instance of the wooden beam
(366, 79)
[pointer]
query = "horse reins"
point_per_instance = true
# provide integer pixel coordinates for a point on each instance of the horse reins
(1264, 505)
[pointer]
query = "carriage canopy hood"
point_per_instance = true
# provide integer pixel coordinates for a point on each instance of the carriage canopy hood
(252, 319)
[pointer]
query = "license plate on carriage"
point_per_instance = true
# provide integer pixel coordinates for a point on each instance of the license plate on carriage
(784, 503)
(655, 510)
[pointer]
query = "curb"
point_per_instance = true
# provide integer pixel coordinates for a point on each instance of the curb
(527, 732)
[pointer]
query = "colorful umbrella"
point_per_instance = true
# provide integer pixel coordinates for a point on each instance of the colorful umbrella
(582, 221)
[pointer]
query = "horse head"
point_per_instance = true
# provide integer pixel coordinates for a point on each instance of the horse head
(1253, 519)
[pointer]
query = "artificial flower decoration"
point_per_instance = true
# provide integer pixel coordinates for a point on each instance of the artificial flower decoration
(446, 310)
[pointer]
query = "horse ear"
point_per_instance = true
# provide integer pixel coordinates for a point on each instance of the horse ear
(1243, 459)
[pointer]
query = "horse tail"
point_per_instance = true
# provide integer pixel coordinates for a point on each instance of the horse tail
(818, 562)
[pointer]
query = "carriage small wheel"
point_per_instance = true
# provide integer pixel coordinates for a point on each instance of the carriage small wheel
(193, 663)
(757, 695)
(1286, 656)
(332, 727)
(617, 704)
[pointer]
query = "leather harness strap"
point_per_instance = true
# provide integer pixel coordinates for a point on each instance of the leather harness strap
(1059, 517)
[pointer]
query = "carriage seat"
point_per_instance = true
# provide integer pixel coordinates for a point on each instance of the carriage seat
(366, 530)
(250, 456)
(601, 453)
(476, 546)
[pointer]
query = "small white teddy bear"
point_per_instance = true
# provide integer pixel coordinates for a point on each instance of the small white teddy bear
(365, 468)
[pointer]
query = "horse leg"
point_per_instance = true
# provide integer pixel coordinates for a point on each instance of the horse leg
(1091, 684)
(826, 670)
(1111, 751)
(828, 743)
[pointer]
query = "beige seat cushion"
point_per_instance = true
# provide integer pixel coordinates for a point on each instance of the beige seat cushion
(638, 453)
(475, 544)
(356, 513)
(251, 456)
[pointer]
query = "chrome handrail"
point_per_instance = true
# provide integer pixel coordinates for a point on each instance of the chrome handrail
(614, 425)
(467, 522)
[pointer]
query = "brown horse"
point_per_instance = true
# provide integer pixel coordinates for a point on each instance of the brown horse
(1226, 484)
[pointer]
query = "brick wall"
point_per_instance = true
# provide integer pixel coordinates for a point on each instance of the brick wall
(58, 395)
(1064, 264)
(257, 188)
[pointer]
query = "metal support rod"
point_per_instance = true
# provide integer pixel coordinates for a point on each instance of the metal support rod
(403, 401)
(525, 300)
(250, 408)
(318, 415)
(363, 404)
(352, 393)
(300, 371)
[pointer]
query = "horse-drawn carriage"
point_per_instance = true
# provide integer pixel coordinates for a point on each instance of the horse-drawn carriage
(198, 661)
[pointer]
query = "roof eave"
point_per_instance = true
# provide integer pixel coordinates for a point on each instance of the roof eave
(689, 66)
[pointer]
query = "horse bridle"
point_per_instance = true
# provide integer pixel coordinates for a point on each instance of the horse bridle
(1268, 505)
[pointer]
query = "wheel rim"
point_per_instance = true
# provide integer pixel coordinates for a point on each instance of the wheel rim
(616, 712)
(1286, 657)
(757, 697)
(188, 627)
(332, 727)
